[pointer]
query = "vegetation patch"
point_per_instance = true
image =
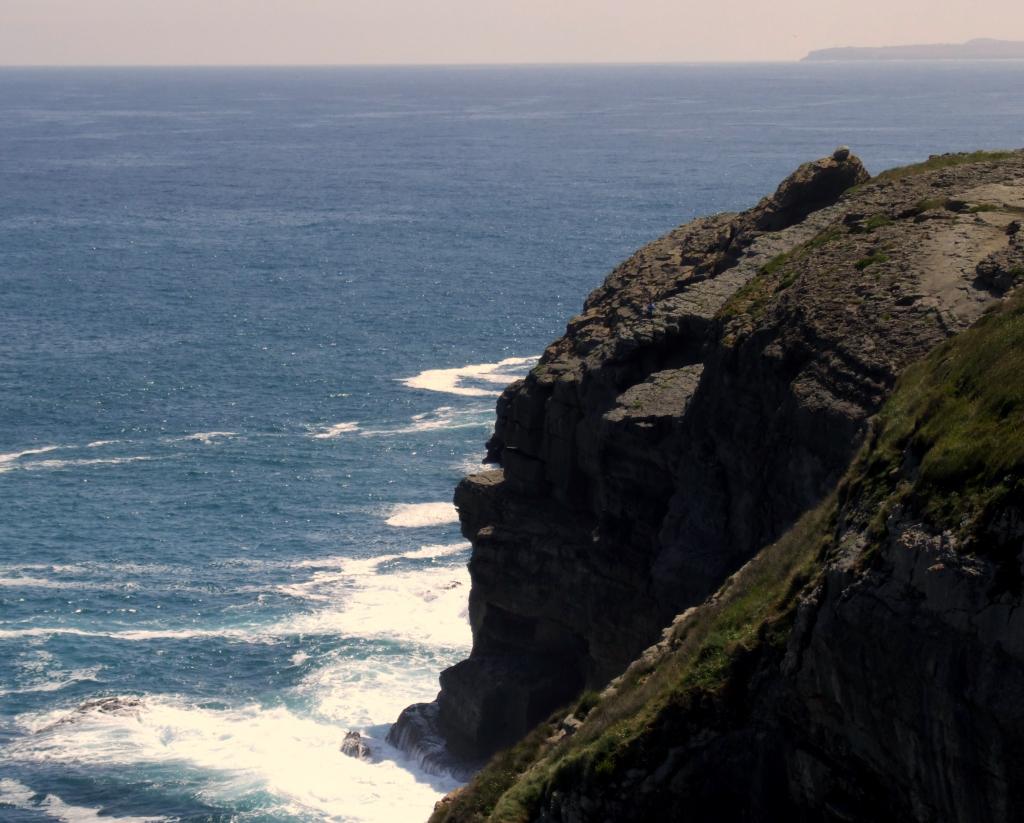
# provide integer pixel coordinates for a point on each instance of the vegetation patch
(927, 204)
(950, 441)
(875, 222)
(751, 299)
(943, 161)
(477, 800)
(875, 259)
(751, 614)
(778, 274)
(822, 239)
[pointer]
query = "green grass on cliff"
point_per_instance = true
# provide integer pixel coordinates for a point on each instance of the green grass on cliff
(752, 611)
(941, 161)
(778, 274)
(953, 432)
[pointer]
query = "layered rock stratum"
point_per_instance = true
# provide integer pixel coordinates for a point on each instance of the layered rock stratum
(673, 460)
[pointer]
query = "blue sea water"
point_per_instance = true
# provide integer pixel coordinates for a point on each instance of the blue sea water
(252, 323)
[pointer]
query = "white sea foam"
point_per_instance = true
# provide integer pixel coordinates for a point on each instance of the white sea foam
(20, 796)
(444, 418)
(57, 680)
(432, 550)
(338, 429)
(96, 444)
(362, 696)
(31, 582)
(10, 460)
(129, 634)
(37, 465)
(450, 381)
(208, 437)
(425, 607)
(472, 465)
(250, 750)
(417, 515)
(420, 606)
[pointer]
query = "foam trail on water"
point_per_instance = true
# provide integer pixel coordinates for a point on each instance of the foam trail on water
(128, 634)
(449, 381)
(438, 550)
(338, 429)
(417, 515)
(37, 465)
(32, 582)
(9, 460)
(443, 418)
(208, 437)
(20, 796)
(57, 680)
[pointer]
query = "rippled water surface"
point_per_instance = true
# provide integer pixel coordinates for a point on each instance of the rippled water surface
(252, 324)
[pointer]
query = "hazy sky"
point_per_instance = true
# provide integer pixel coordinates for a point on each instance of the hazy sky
(145, 32)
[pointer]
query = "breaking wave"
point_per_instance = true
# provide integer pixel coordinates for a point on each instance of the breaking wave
(480, 377)
(418, 515)
(338, 429)
(248, 751)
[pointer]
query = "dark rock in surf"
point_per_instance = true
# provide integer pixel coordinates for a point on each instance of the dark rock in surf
(354, 746)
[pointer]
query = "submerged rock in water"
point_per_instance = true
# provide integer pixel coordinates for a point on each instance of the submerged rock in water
(121, 705)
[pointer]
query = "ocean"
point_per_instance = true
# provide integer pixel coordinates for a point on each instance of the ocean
(252, 326)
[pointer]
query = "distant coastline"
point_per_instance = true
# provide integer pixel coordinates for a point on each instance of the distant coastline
(980, 49)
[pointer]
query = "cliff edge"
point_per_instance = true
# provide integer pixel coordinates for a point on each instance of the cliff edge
(714, 390)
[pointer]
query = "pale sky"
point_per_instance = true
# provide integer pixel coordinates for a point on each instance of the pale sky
(290, 32)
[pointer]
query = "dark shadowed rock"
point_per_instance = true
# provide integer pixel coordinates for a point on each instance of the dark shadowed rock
(354, 746)
(128, 705)
(867, 666)
(811, 187)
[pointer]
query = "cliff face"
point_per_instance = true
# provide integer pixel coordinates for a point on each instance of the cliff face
(867, 666)
(713, 389)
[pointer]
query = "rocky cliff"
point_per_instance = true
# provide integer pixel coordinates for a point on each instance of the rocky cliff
(715, 389)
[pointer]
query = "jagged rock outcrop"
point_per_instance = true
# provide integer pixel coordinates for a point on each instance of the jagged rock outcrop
(712, 390)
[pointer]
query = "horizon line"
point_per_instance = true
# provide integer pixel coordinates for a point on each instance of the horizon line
(509, 64)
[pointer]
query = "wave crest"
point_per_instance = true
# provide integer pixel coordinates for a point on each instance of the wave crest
(450, 381)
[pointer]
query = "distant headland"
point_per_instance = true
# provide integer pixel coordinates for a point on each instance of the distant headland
(980, 49)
